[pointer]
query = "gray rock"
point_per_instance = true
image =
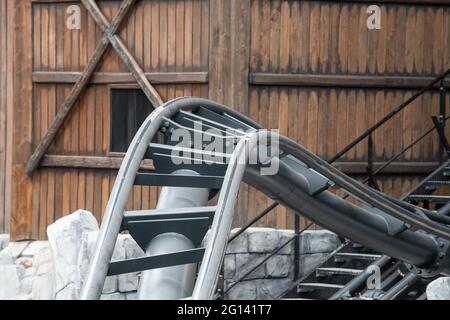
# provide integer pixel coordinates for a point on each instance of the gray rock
(262, 240)
(44, 256)
(43, 287)
(132, 250)
(15, 249)
(112, 283)
(5, 259)
(88, 241)
(70, 292)
(23, 297)
(65, 237)
(10, 279)
(45, 269)
(25, 262)
(271, 289)
(114, 296)
(43, 283)
(26, 285)
(4, 241)
(229, 266)
(132, 296)
(280, 266)
(30, 272)
(129, 282)
(308, 262)
(318, 242)
(245, 290)
(439, 289)
(246, 262)
(35, 247)
(238, 245)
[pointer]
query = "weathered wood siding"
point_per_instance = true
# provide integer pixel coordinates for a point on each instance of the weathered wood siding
(311, 69)
(6, 106)
(331, 41)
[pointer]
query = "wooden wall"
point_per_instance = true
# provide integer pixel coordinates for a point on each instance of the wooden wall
(5, 121)
(308, 68)
(318, 75)
(164, 37)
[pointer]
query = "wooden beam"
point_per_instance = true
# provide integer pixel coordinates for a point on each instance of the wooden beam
(86, 162)
(121, 77)
(397, 2)
(114, 163)
(344, 81)
(124, 53)
(81, 83)
(396, 168)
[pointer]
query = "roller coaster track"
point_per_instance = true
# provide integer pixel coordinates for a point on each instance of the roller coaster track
(191, 174)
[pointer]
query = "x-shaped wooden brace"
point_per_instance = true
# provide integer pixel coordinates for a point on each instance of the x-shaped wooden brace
(108, 37)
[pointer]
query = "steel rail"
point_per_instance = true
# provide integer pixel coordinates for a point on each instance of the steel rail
(238, 171)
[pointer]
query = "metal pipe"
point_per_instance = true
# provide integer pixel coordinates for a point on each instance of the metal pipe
(445, 210)
(288, 188)
(358, 189)
(220, 230)
(112, 220)
(346, 219)
(407, 282)
(174, 282)
(357, 282)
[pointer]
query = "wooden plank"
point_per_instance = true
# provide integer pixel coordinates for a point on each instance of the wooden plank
(324, 49)
(396, 168)
(123, 52)
(9, 53)
(21, 208)
(379, 57)
(3, 112)
(314, 37)
(88, 162)
(196, 34)
(65, 109)
(404, 2)
(154, 35)
(340, 81)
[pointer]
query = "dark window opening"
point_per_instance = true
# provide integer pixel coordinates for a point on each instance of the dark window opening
(129, 109)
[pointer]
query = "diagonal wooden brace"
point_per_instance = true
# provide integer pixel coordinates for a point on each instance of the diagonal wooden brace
(79, 86)
(124, 53)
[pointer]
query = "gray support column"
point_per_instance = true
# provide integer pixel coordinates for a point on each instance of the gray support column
(174, 282)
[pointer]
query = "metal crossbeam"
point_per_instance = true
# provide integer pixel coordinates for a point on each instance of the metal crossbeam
(156, 262)
(109, 36)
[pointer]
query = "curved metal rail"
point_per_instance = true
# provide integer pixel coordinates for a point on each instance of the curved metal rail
(287, 187)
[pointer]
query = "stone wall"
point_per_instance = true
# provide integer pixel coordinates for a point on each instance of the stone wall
(56, 269)
(276, 275)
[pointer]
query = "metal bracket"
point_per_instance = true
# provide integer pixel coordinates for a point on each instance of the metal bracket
(370, 158)
(144, 231)
(156, 262)
(182, 181)
(179, 213)
(440, 130)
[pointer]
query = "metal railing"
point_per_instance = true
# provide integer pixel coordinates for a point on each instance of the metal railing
(439, 125)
